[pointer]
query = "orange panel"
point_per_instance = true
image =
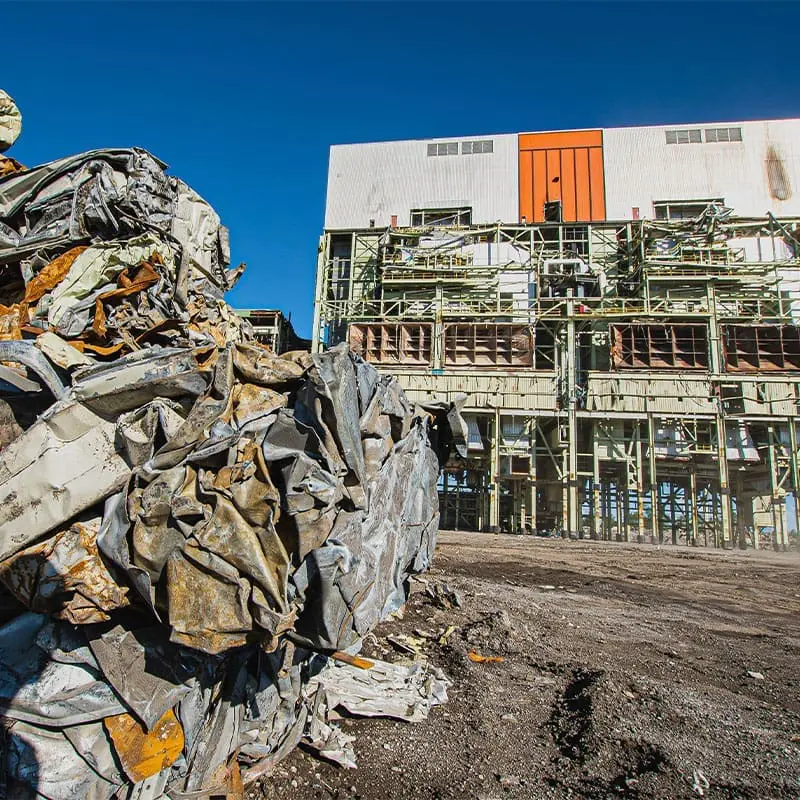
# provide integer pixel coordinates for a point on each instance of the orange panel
(584, 210)
(575, 158)
(568, 187)
(548, 141)
(553, 175)
(539, 184)
(526, 186)
(598, 185)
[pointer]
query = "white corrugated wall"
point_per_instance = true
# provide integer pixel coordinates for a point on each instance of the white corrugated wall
(378, 180)
(641, 168)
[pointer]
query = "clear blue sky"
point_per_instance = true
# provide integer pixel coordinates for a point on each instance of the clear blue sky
(243, 100)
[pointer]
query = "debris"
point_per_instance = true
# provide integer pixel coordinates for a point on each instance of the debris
(10, 121)
(407, 644)
(449, 630)
(699, 783)
(197, 532)
(479, 659)
(443, 596)
(387, 690)
(756, 676)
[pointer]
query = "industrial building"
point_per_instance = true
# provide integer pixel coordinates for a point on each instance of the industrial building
(622, 307)
(274, 329)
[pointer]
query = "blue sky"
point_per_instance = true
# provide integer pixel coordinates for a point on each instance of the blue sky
(243, 100)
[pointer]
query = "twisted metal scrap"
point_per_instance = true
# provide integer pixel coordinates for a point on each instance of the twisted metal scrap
(189, 523)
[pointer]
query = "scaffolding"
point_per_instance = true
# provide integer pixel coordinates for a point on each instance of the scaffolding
(632, 381)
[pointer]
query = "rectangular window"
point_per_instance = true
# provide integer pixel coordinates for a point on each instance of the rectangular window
(672, 210)
(392, 343)
(684, 136)
(487, 345)
(481, 146)
(761, 348)
(445, 217)
(443, 149)
(659, 346)
(723, 135)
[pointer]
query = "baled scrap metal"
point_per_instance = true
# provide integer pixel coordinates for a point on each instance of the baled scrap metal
(193, 518)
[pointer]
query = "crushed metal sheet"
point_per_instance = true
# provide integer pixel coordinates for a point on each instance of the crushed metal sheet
(387, 690)
(188, 521)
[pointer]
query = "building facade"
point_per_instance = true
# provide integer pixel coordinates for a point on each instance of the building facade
(621, 306)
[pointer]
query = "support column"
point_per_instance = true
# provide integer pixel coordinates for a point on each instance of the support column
(597, 511)
(695, 505)
(795, 468)
(639, 485)
(573, 521)
(726, 519)
(564, 493)
(532, 495)
(778, 515)
(494, 495)
(322, 261)
(651, 452)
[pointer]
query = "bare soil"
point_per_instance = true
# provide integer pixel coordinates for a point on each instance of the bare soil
(624, 673)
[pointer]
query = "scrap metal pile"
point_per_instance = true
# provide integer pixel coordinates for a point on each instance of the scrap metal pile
(193, 529)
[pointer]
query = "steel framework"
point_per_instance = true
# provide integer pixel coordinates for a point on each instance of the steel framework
(626, 380)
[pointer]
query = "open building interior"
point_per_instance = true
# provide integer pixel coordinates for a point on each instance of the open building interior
(633, 381)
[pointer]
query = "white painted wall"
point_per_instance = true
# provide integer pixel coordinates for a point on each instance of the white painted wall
(378, 180)
(641, 168)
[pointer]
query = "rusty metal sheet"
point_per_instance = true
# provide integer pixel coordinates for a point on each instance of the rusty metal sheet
(144, 753)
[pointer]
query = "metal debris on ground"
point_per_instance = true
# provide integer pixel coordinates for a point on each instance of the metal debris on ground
(190, 524)
(477, 658)
(442, 596)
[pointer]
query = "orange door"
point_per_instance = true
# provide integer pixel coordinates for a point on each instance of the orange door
(564, 166)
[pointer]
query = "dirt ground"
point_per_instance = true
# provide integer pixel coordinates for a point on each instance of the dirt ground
(628, 671)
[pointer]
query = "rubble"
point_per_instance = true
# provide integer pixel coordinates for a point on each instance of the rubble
(191, 526)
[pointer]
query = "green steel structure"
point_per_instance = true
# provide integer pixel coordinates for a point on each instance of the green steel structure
(637, 381)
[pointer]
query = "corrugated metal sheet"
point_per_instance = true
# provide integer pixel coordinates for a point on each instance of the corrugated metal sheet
(566, 167)
(514, 392)
(641, 168)
(659, 394)
(380, 180)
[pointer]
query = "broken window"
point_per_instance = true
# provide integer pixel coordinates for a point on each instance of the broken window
(659, 346)
(723, 135)
(684, 136)
(754, 348)
(488, 345)
(672, 210)
(446, 217)
(392, 343)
